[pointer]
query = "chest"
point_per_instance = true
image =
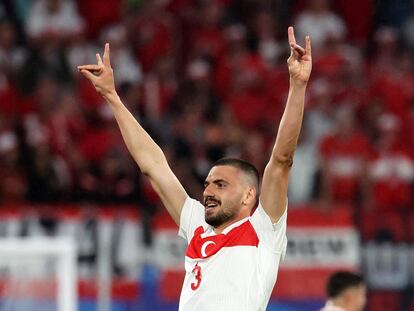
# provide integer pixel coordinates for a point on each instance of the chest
(205, 244)
(232, 255)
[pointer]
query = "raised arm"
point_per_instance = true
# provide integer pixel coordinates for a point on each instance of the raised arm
(276, 175)
(144, 150)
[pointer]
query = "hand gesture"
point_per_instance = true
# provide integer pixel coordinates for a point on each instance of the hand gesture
(300, 60)
(101, 75)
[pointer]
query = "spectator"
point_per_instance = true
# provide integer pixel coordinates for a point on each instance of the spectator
(391, 171)
(249, 100)
(266, 30)
(79, 51)
(48, 176)
(51, 20)
(11, 59)
(206, 36)
(344, 155)
(115, 183)
(302, 181)
(227, 64)
(210, 78)
(151, 34)
(320, 116)
(11, 56)
(386, 48)
(359, 23)
(319, 22)
(160, 87)
(127, 70)
(98, 16)
(391, 73)
(13, 184)
(408, 32)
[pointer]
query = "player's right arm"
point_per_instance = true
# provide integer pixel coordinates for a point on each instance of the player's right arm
(146, 153)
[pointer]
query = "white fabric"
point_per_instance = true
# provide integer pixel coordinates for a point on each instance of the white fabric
(331, 307)
(303, 173)
(319, 27)
(65, 20)
(392, 166)
(235, 278)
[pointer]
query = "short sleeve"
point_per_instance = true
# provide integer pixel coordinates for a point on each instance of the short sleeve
(192, 216)
(272, 235)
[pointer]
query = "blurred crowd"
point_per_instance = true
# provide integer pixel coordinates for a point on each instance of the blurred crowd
(207, 79)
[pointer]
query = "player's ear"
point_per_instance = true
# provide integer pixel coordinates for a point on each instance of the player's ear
(250, 197)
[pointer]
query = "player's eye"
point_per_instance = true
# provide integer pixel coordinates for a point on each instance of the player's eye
(220, 185)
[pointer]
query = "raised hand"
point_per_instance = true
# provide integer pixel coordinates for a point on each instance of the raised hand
(101, 75)
(300, 60)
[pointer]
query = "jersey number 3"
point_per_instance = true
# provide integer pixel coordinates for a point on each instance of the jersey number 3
(197, 274)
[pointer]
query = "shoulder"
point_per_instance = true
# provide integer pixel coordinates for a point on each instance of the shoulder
(260, 214)
(192, 216)
(272, 235)
(190, 202)
(192, 209)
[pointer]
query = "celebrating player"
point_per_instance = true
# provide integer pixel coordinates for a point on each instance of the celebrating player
(237, 236)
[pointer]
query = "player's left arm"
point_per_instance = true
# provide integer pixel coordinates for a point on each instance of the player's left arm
(276, 175)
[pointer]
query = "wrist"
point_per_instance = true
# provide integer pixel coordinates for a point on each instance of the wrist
(298, 84)
(111, 96)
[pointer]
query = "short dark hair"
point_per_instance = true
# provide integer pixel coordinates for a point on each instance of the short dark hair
(342, 280)
(244, 166)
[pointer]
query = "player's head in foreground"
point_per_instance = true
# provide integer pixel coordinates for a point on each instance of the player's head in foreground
(231, 191)
(347, 290)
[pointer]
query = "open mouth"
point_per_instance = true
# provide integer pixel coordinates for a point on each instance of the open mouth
(211, 204)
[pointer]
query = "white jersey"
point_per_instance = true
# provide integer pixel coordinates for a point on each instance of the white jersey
(330, 307)
(234, 270)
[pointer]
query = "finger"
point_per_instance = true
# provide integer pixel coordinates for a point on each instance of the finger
(88, 75)
(99, 59)
(292, 57)
(106, 58)
(291, 36)
(300, 50)
(90, 67)
(308, 47)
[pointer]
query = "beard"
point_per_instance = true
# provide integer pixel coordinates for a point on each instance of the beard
(219, 218)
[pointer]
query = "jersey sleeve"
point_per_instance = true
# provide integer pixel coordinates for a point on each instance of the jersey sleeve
(273, 235)
(192, 216)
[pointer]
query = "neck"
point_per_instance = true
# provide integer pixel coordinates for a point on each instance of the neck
(219, 229)
(340, 303)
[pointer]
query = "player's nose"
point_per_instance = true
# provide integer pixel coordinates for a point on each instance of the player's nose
(207, 192)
